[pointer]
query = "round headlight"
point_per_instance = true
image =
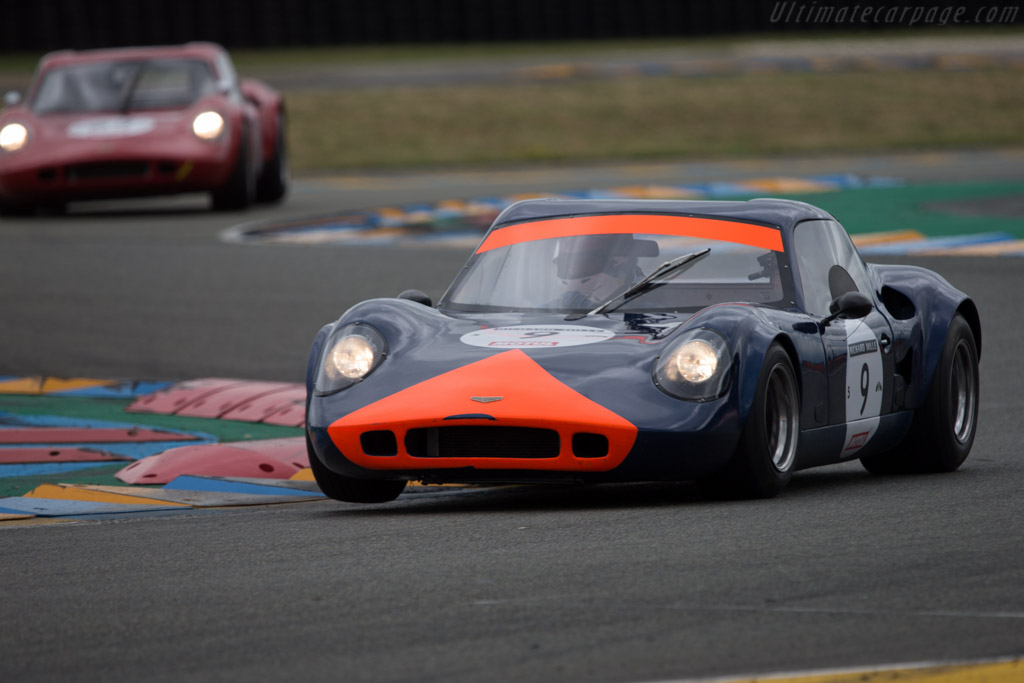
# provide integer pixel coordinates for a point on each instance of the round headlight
(351, 353)
(695, 367)
(696, 361)
(13, 137)
(208, 125)
(352, 358)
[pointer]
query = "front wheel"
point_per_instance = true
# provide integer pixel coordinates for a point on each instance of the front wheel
(350, 489)
(763, 462)
(273, 182)
(240, 189)
(942, 432)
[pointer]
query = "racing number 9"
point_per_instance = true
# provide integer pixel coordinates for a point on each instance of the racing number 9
(865, 384)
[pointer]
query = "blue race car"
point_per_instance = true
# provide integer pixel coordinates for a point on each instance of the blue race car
(731, 343)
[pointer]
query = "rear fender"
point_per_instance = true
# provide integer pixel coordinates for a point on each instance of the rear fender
(935, 302)
(270, 106)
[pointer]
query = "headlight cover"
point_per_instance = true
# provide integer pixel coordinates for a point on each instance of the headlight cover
(696, 367)
(13, 137)
(351, 353)
(208, 125)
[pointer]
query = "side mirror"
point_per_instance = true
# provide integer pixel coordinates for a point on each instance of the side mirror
(849, 305)
(11, 98)
(417, 296)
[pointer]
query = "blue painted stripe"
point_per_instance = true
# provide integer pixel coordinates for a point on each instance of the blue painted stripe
(121, 390)
(53, 507)
(49, 468)
(219, 485)
(937, 243)
(13, 419)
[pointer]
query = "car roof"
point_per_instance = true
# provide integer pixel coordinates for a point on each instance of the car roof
(200, 50)
(784, 213)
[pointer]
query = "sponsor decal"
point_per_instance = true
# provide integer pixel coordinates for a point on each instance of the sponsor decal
(860, 348)
(857, 441)
(111, 127)
(536, 336)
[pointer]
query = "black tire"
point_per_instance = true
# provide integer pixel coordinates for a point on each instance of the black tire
(240, 189)
(942, 433)
(350, 489)
(763, 462)
(273, 183)
(16, 210)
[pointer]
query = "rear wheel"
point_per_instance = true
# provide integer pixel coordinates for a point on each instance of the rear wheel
(350, 489)
(763, 462)
(942, 432)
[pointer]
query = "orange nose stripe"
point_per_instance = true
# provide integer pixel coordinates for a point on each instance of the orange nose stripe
(519, 392)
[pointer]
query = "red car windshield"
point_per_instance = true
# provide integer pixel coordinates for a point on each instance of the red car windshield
(121, 86)
(575, 264)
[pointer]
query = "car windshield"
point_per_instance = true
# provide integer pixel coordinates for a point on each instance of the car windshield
(126, 85)
(573, 265)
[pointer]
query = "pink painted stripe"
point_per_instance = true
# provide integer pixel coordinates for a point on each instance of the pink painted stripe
(264, 406)
(231, 398)
(293, 415)
(176, 397)
(58, 435)
(9, 456)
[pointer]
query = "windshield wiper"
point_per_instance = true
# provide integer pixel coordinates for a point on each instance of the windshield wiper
(644, 285)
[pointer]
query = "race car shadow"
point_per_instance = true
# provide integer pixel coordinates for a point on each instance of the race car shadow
(553, 497)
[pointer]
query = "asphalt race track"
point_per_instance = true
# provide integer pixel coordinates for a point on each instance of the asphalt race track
(610, 583)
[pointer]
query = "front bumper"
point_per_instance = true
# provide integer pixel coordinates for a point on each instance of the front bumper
(98, 170)
(530, 427)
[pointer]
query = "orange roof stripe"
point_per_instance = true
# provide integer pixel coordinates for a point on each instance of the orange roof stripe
(759, 236)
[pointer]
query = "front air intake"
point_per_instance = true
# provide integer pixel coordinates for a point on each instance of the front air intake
(482, 442)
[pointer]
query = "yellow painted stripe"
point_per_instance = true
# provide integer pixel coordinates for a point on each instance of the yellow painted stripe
(8, 517)
(990, 249)
(71, 492)
(657, 192)
(866, 239)
(1005, 671)
(787, 185)
(48, 385)
(305, 474)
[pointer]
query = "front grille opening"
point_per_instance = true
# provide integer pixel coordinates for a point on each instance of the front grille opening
(379, 442)
(112, 169)
(482, 442)
(48, 174)
(587, 445)
(167, 167)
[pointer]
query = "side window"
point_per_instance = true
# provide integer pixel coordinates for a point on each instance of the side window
(828, 264)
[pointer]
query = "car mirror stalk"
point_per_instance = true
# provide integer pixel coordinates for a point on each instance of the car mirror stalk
(849, 305)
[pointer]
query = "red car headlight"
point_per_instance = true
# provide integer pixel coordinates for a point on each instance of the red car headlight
(13, 137)
(208, 125)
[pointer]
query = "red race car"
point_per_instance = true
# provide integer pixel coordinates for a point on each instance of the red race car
(139, 121)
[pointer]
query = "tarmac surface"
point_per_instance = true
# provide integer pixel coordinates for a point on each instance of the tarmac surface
(608, 583)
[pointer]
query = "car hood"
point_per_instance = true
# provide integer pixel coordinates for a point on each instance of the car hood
(608, 358)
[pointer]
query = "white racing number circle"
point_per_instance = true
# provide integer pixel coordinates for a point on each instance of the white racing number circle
(111, 127)
(865, 386)
(535, 336)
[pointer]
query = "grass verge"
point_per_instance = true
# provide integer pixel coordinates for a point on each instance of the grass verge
(658, 117)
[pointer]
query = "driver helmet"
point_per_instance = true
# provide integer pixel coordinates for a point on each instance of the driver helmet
(579, 257)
